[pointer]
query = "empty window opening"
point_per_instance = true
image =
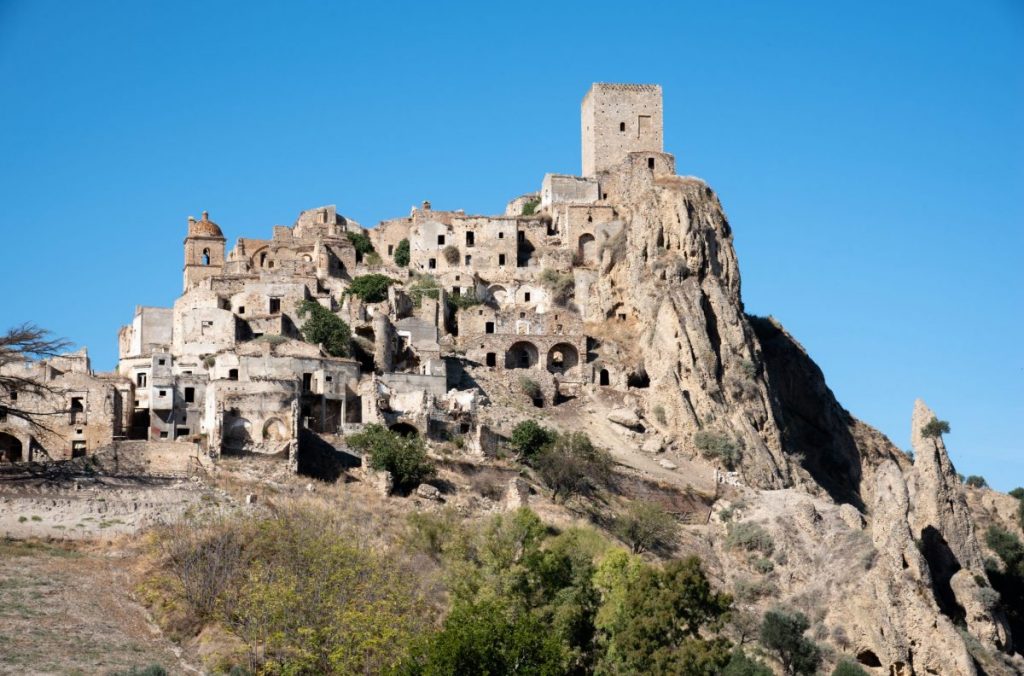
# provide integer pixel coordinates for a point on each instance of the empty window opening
(78, 430)
(522, 315)
(275, 305)
(590, 218)
(190, 394)
(501, 235)
(622, 126)
(440, 240)
(604, 195)
(501, 259)
(161, 361)
(470, 238)
(650, 163)
(432, 263)
(328, 379)
(140, 380)
(526, 296)
(489, 327)
(622, 316)
(492, 359)
(163, 435)
(391, 249)
(232, 374)
(76, 405)
(186, 373)
(469, 259)
(270, 264)
(163, 393)
(307, 382)
(263, 259)
(603, 378)
(77, 449)
(456, 291)
(181, 432)
(206, 256)
(14, 395)
(241, 309)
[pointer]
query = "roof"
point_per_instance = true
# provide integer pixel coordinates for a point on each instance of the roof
(204, 227)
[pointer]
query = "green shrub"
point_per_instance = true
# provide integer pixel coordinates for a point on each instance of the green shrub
(465, 300)
(423, 286)
(405, 457)
(717, 446)
(742, 665)
(1007, 547)
(975, 481)
(371, 288)
(659, 414)
(935, 428)
(749, 369)
(749, 536)
(763, 565)
(645, 526)
(402, 256)
(326, 328)
(373, 260)
(561, 285)
(1018, 493)
(530, 387)
(530, 207)
(848, 668)
(529, 437)
(783, 634)
(572, 465)
(360, 242)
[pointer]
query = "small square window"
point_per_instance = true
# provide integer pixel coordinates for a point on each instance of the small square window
(526, 296)
(14, 395)
(469, 259)
(501, 259)
(190, 394)
(501, 235)
(329, 379)
(432, 263)
(78, 431)
(163, 393)
(241, 309)
(275, 305)
(163, 435)
(440, 240)
(161, 362)
(522, 315)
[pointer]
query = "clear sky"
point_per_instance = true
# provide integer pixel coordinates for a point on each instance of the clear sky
(870, 156)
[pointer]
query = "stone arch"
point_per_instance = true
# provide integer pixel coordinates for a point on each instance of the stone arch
(587, 249)
(237, 433)
(274, 429)
(498, 293)
(562, 357)
(405, 429)
(10, 448)
(521, 355)
(259, 257)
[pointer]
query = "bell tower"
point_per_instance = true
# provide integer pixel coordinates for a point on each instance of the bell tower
(204, 250)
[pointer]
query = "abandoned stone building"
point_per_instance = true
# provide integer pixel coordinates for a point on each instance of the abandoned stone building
(226, 367)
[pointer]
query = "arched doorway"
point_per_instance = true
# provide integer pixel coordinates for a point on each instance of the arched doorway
(587, 249)
(521, 355)
(562, 357)
(498, 294)
(10, 448)
(237, 433)
(405, 429)
(275, 430)
(604, 378)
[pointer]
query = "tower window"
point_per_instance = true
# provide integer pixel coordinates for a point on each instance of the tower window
(190, 394)
(140, 380)
(489, 327)
(650, 163)
(206, 257)
(622, 126)
(470, 238)
(275, 305)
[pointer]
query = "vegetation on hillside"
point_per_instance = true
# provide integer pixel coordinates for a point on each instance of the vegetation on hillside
(325, 328)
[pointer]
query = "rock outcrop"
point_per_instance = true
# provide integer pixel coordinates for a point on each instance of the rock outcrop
(941, 520)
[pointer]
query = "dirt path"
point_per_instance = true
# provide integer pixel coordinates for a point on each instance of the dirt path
(68, 611)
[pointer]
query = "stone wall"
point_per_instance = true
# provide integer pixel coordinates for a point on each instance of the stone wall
(618, 119)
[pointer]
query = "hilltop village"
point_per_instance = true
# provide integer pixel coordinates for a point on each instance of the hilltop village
(470, 303)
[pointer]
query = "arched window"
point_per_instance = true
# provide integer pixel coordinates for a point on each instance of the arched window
(206, 257)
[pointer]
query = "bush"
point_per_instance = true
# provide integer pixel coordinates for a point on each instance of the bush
(571, 465)
(424, 285)
(848, 668)
(530, 387)
(975, 481)
(1007, 547)
(783, 633)
(402, 256)
(741, 665)
(405, 457)
(361, 243)
(466, 300)
(645, 526)
(529, 437)
(325, 328)
(561, 286)
(935, 428)
(530, 207)
(750, 537)
(717, 446)
(371, 288)
(451, 254)
(373, 260)
(1018, 493)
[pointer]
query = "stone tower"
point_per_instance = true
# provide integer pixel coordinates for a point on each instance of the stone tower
(618, 119)
(204, 250)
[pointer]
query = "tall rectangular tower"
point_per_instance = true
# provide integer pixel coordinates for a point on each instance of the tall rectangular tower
(618, 119)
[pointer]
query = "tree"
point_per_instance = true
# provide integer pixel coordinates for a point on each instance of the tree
(1018, 493)
(326, 328)
(783, 633)
(405, 457)
(529, 437)
(645, 526)
(975, 481)
(660, 627)
(715, 445)
(742, 665)
(26, 343)
(371, 288)
(1007, 547)
(572, 465)
(402, 253)
(935, 428)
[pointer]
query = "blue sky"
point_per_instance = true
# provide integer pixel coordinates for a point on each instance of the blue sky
(870, 156)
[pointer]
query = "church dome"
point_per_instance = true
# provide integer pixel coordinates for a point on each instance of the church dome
(203, 228)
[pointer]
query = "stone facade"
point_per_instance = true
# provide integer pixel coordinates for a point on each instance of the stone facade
(619, 119)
